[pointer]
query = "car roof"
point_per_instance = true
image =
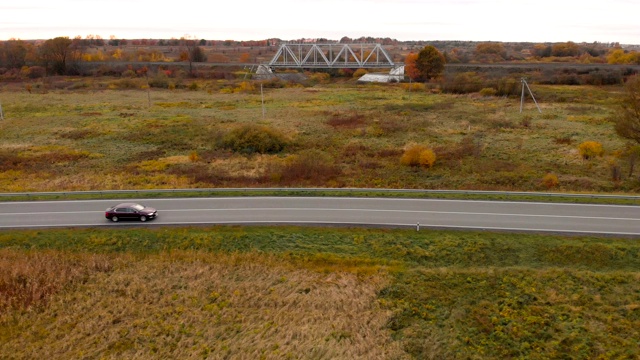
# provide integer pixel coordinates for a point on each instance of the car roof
(129, 204)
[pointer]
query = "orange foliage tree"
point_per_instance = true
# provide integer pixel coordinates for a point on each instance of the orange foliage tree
(245, 57)
(427, 64)
(410, 66)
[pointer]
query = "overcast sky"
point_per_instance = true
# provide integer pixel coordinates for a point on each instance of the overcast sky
(475, 20)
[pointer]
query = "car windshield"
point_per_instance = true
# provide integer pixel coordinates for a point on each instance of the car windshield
(138, 207)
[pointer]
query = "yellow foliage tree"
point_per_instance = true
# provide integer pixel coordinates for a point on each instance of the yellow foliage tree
(117, 54)
(619, 56)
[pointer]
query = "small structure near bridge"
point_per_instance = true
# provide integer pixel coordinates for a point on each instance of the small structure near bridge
(395, 75)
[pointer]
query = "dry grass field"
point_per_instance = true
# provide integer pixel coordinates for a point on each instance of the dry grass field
(316, 293)
(310, 293)
(103, 133)
(194, 306)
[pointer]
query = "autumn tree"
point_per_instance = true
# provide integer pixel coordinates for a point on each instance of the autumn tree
(429, 63)
(410, 66)
(490, 51)
(245, 57)
(13, 53)
(619, 56)
(627, 120)
(191, 51)
(59, 55)
(541, 50)
(565, 49)
(197, 54)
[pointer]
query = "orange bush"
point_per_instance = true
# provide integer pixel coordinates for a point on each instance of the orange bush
(550, 181)
(590, 149)
(418, 155)
(427, 158)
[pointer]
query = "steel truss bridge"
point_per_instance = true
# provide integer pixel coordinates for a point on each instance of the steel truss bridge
(323, 56)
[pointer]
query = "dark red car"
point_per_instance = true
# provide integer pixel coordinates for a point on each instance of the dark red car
(130, 211)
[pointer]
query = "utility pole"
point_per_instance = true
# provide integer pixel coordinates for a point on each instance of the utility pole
(262, 96)
(524, 83)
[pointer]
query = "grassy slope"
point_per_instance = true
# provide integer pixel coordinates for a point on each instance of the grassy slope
(347, 293)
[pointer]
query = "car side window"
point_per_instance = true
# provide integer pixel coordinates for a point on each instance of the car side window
(121, 210)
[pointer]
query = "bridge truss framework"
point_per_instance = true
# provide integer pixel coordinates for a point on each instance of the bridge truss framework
(353, 56)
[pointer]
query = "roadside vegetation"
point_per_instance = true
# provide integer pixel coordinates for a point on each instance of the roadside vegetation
(66, 134)
(300, 292)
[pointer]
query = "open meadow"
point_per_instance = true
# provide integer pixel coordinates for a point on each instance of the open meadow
(110, 133)
(231, 292)
(316, 293)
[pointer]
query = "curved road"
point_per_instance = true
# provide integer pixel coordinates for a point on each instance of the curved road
(457, 214)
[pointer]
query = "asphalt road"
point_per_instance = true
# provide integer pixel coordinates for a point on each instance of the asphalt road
(428, 213)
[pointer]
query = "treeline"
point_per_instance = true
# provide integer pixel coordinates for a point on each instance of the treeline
(469, 52)
(506, 81)
(64, 56)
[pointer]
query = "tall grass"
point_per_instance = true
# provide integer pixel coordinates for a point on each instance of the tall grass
(300, 292)
(29, 278)
(195, 305)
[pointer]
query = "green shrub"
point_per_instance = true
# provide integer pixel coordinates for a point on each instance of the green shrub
(128, 83)
(508, 87)
(251, 138)
(161, 80)
(488, 91)
(464, 83)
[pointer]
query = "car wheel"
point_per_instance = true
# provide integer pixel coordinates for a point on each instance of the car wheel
(114, 219)
(143, 218)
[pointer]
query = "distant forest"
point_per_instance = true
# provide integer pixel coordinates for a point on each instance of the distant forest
(93, 55)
